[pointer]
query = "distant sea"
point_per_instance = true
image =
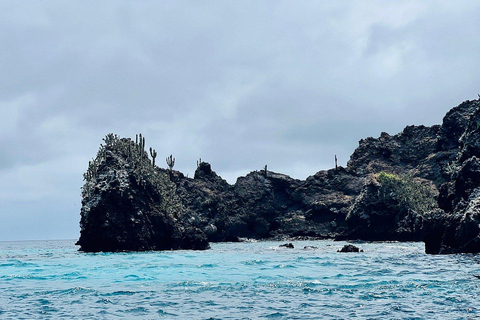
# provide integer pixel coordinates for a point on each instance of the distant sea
(257, 280)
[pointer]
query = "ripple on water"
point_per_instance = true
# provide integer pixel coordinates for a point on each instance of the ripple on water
(137, 310)
(120, 293)
(274, 315)
(163, 313)
(255, 262)
(17, 264)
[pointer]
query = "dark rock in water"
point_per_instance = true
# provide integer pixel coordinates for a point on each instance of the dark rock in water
(455, 227)
(287, 245)
(269, 205)
(322, 203)
(390, 207)
(457, 231)
(130, 205)
(388, 191)
(349, 248)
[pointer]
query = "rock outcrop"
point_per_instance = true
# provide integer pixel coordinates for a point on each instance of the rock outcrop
(455, 228)
(407, 151)
(130, 205)
(391, 207)
(268, 204)
(388, 191)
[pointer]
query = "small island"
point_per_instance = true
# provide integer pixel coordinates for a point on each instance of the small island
(422, 184)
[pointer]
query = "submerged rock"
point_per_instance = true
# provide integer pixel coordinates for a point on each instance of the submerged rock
(287, 245)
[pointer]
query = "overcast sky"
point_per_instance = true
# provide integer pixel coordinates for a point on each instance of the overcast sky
(240, 84)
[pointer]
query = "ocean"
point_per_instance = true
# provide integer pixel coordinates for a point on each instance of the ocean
(248, 280)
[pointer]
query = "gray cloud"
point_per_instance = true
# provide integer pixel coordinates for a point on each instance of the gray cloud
(239, 83)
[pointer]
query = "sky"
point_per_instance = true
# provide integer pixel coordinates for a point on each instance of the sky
(240, 84)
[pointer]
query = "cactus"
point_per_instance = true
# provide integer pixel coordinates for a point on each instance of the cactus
(336, 166)
(140, 143)
(199, 162)
(265, 171)
(91, 171)
(110, 139)
(153, 153)
(170, 162)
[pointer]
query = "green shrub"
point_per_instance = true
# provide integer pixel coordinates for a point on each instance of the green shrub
(408, 192)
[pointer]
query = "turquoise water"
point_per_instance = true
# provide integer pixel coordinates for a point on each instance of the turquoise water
(259, 280)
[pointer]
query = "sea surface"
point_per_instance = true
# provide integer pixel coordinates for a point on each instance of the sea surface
(249, 280)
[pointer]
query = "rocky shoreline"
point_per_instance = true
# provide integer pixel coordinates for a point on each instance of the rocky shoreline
(419, 185)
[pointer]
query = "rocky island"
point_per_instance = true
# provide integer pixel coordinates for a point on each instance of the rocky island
(422, 184)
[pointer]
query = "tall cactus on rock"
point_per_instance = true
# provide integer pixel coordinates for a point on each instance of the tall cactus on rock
(170, 162)
(140, 143)
(153, 153)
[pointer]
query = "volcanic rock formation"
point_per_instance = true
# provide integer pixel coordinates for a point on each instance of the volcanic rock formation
(388, 191)
(128, 204)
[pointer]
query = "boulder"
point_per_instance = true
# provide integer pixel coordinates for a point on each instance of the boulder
(349, 248)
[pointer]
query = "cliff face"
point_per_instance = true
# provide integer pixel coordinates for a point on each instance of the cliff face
(130, 205)
(455, 228)
(388, 191)
(407, 151)
(268, 204)
(391, 207)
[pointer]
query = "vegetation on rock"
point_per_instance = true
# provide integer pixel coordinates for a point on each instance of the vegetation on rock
(414, 194)
(127, 204)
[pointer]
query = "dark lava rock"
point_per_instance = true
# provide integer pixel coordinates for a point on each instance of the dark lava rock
(454, 228)
(349, 248)
(406, 151)
(130, 205)
(390, 207)
(454, 125)
(268, 204)
(211, 198)
(322, 203)
(287, 245)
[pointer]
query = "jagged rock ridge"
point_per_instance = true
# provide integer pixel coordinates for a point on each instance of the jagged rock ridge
(455, 227)
(387, 191)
